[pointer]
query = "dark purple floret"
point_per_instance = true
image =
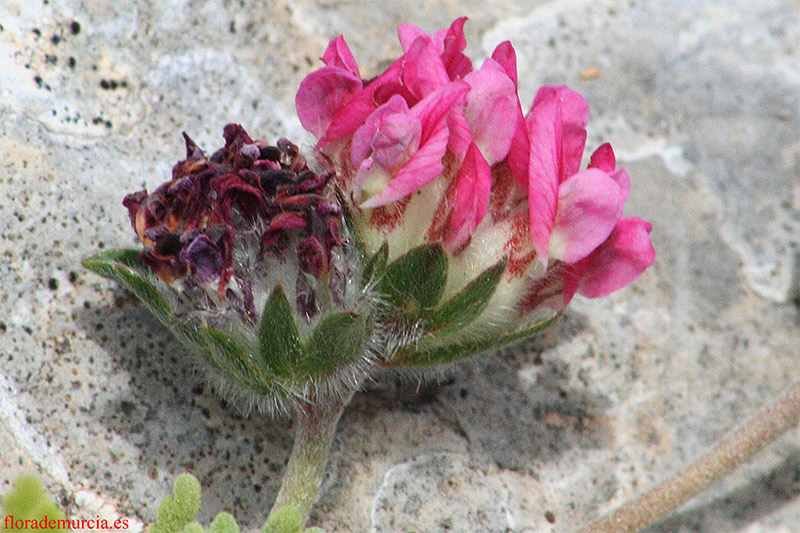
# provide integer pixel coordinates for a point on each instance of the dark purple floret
(204, 259)
(191, 224)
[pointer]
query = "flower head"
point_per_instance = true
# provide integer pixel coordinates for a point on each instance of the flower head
(442, 220)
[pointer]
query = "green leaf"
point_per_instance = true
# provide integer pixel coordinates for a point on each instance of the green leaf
(223, 523)
(104, 263)
(146, 292)
(469, 303)
(178, 510)
(229, 356)
(126, 268)
(416, 280)
(375, 266)
(28, 501)
(338, 339)
(279, 339)
(448, 353)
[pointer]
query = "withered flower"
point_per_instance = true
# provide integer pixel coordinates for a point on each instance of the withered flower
(209, 225)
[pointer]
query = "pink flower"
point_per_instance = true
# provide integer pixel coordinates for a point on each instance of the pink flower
(433, 142)
(575, 215)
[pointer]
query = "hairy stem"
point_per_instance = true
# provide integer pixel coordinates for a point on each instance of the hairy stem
(315, 428)
(728, 455)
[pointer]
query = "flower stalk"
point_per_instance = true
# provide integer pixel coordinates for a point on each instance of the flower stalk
(739, 446)
(315, 427)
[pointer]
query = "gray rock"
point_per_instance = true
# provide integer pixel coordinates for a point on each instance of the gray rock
(702, 103)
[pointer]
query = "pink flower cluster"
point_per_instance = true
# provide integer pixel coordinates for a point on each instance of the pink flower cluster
(431, 116)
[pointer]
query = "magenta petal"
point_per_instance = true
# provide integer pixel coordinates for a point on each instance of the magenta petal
(455, 62)
(574, 115)
(506, 57)
(588, 208)
(469, 203)
(544, 129)
(322, 95)
(408, 33)
(435, 107)
(520, 151)
(460, 136)
(338, 54)
(363, 141)
(444, 104)
(423, 167)
(362, 104)
(622, 258)
(604, 158)
(491, 110)
(423, 70)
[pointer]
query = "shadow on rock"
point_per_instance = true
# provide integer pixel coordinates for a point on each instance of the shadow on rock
(177, 422)
(505, 420)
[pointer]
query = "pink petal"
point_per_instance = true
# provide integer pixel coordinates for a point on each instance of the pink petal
(588, 207)
(362, 104)
(506, 57)
(408, 33)
(622, 258)
(519, 152)
(363, 142)
(338, 54)
(423, 70)
(624, 183)
(435, 107)
(393, 144)
(544, 129)
(574, 115)
(491, 110)
(604, 158)
(469, 203)
(460, 136)
(423, 167)
(426, 164)
(455, 62)
(322, 95)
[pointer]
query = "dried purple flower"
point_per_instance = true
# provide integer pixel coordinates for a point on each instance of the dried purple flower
(247, 193)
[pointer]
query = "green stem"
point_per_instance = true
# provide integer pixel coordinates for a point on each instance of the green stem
(739, 446)
(315, 428)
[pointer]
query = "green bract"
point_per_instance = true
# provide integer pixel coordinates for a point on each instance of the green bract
(283, 357)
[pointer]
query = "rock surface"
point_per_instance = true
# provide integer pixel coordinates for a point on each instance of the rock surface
(700, 99)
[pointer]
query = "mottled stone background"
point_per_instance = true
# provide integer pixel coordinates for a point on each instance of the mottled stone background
(702, 102)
